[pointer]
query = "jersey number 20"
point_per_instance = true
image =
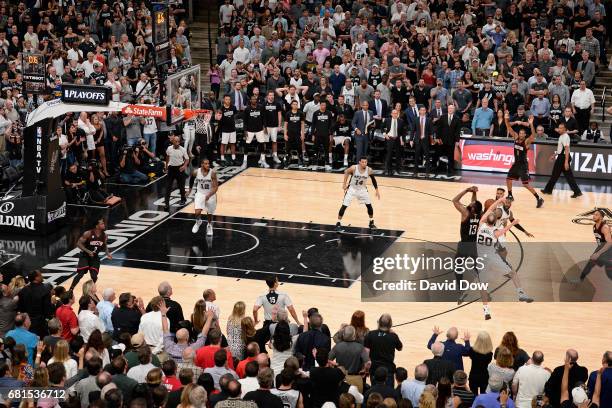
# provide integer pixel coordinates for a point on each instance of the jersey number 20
(482, 240)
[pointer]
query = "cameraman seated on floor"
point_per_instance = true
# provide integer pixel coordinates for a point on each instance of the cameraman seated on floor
(95, 183)
(129, 162)
(149, 164)
(74, 184)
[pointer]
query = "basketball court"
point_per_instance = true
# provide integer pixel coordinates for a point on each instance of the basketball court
(282, 222)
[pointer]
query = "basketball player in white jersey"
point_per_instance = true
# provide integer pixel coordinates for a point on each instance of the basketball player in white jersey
(206, 184)
(487, 244)
(356, 187)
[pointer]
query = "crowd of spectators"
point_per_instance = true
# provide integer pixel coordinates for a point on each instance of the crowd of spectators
(483, 57)
(109, 350)
(89, 43)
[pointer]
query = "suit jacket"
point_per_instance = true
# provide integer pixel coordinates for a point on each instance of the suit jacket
(245, 100)
(433, 115)
(416, 131)
(358, 121)
(450, 133)
(411, 117)
(384, 108)
(552, 389)
(438, 368)
(402, 129)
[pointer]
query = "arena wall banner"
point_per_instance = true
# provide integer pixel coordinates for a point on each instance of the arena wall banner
(489, 155)
(496, 155)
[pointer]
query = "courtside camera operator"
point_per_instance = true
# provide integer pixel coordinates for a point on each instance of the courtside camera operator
(74, 183)
(128, 165)
(95, 183)
(149, 164)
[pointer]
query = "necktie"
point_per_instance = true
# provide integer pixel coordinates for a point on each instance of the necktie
(365, 119)
(393, 128)
(450, 119)
(239, 97)
(415, 111)
(378, 108)
(439, 112)
(422, 127)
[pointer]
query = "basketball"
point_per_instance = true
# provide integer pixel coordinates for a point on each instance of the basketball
(488, 203)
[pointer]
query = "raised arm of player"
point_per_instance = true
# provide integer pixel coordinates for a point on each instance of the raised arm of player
(460, 207)
(491, 208)
(511, 131)
(348, 172)
(81, 244)
(532, 137)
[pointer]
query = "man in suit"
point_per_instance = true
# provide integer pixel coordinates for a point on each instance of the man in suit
(360, 122)
(239, 98)
(448, 133)
(412, 112)
(437, 367)
(379, 108)
(394, 131)
(587, 67)
(421, 135)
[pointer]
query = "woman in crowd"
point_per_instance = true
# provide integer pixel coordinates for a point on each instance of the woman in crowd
(282, 345)
(481, 355)
(61, 354)
(502, 365)
(234, 330)
(520, 356)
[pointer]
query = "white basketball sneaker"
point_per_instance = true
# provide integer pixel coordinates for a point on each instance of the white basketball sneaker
(196, 226)
(209, 229)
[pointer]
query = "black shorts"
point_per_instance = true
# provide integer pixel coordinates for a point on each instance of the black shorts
(466, 250)
(88, 262)
(519, 171)
(604, 259)
(294, 142)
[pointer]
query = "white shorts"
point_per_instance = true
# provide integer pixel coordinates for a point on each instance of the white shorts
(272, 134)
(339, 140)
(494, 267)
(360, 194)
(91, 142)
(228, 137)
(260, 136)
(200, 203)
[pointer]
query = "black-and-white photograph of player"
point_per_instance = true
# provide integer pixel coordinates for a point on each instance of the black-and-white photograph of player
(520, 167)
(603, 253)
(273, 119)
(355, 187)
(487, 247)
(342, 136)
(206, 184)
(322, 129)
(294, 133)
(227, 124)
(255, 129)
(562, 164)
(91, 244)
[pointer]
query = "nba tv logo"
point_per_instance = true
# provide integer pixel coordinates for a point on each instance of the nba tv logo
(586, 218)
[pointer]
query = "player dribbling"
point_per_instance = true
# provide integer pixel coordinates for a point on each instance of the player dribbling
(356, 187)
(206, 185)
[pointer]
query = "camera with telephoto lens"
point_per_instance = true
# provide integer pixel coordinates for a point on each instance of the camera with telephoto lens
(126, 150)
(93, 165)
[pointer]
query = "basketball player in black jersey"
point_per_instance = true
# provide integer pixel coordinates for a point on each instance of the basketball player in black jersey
(342, 136)
(322, 127)
(466, 248)
(91, 243)
(227, 124)
(294, 133)
(520, 168)
(603, 254)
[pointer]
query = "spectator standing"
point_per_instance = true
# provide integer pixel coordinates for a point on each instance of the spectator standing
(576, 374)
(502, 365)
(529, 380)
(88, 318)
(483, 117)
(412, 389)
(105, 309)
(22, 335)
(382, 344)
(481, 354)
(583, 104)
(496, 396)
(126, 317)
(65, 314)
(438, 367)
(35, 300)
(452, 350)
(263, 397)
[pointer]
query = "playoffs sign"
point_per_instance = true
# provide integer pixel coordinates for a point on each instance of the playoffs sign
(86, 94)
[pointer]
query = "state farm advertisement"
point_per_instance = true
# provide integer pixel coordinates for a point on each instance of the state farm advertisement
(485, 155)
(145, 110)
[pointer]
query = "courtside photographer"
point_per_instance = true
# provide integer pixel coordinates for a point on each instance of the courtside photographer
(149, 164)
(128, 166)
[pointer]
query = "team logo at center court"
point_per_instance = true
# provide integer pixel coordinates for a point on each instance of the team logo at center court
(586, 218)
